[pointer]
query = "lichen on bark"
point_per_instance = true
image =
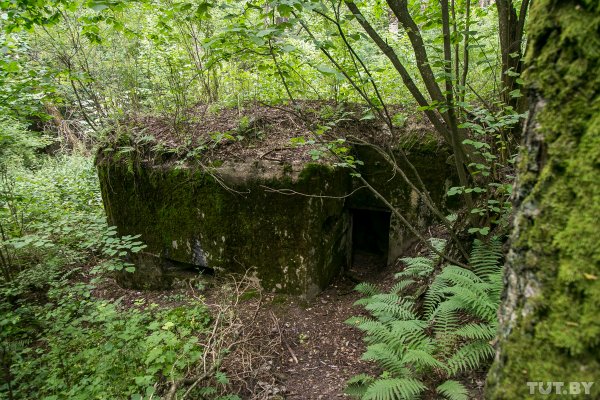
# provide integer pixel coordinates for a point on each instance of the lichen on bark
(549, 325)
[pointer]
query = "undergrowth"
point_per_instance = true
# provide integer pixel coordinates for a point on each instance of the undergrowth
(424, 339)
(57, 339)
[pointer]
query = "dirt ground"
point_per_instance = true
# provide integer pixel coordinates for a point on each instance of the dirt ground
(293, 349)
(321, 352)
(314, 352)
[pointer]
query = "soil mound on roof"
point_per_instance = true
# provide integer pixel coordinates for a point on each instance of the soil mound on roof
(256, 131)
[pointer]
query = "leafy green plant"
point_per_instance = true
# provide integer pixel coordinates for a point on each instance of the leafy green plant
(492, 180)
(442, 331)
(61, 251)
(18, 145)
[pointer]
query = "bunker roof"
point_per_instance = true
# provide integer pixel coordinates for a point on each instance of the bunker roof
(283, 133)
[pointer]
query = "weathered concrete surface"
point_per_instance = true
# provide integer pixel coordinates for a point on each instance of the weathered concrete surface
(288, 224)
(234, 220)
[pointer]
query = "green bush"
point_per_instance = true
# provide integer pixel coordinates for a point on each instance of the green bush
(18, 145)
(87, 348)
(59, 341)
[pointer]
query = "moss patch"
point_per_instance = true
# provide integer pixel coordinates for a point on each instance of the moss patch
(551, 330)
(235, 221)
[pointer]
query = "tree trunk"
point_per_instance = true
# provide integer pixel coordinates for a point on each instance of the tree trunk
(549, 323)
(510, 30)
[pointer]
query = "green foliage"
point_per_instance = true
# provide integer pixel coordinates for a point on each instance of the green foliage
(58, 340)
(448, 334)
(24, 84)
(491, 147)
(120, 352)
(18, 146)
(452, 390)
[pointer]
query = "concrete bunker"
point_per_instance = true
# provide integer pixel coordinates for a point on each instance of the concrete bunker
(252, 203)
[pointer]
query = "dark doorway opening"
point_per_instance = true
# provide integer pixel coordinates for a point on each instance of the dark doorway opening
(370, 236)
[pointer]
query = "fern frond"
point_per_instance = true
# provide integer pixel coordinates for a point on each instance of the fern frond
(357, 385)
(445, 317)
(435, 294)
(371, 326)
(496, 285)
(390, 306)
(453, 390)
(361, 378)
(411, 333)
(416, 267)
(485, 257)
(459, 276)
(477, 331)
(401, 285)
(454, 280)
(470, 356)
(380, 333)
(363, 301)
(390, 358)
(422, 359)
(376, 331)
(460, 306)
(356, 321)
(394, 389)
(368, 289)
(474, 300)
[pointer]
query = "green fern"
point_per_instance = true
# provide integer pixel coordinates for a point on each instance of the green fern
(470, 356)
(477, 331)
(422, 359)
(394, 389)
(358, 384)
(453, 390)
(401, 286)
(391, 358)
(450, 335)
(417, 267)
(485, 257)
(368, 289)
(389, 306)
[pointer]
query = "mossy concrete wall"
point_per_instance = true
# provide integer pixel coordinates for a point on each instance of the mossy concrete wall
(549, 322)
(237, 218)
(429, 159)
(229, 220)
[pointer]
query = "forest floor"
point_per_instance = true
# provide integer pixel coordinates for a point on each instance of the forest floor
(286, 347)
(319, 352)
(292, 348)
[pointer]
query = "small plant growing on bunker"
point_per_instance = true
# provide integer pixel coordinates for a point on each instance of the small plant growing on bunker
(441, 332)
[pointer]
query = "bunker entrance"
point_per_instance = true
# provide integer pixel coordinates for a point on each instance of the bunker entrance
(370, 236)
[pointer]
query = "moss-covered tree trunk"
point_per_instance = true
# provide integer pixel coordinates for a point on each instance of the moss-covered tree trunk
(550, 316)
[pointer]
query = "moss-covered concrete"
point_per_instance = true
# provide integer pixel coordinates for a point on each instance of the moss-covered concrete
(288, 224)
(232, 219)
(550, 329)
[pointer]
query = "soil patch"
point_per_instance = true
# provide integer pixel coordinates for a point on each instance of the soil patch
(255, 131)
